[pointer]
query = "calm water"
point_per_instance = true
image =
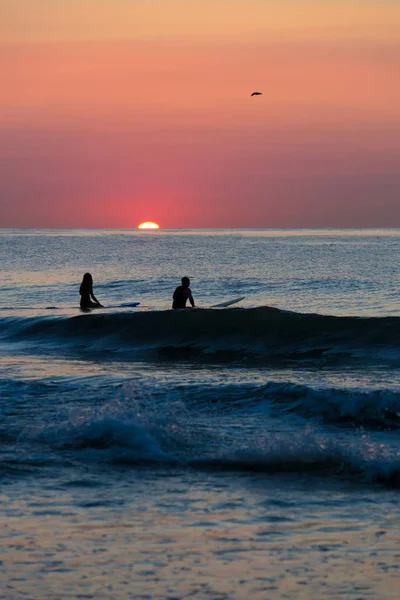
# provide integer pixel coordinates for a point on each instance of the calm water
(250, 452)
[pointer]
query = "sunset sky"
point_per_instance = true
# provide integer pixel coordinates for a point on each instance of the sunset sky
(114, 112)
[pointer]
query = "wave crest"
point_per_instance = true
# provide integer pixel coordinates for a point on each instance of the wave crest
(263, 332)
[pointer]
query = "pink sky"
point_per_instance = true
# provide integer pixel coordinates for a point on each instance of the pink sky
(113, 112)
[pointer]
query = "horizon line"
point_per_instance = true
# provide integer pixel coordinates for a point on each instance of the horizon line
(133, 228)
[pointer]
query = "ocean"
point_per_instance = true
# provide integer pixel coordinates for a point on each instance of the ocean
(250, 452)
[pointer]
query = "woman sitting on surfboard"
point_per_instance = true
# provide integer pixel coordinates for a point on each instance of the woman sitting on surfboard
(86, 292)
(182, 294)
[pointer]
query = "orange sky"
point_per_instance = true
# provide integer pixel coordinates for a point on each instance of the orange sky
(114, 112)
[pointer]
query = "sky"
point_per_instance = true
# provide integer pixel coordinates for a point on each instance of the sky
(114, 112)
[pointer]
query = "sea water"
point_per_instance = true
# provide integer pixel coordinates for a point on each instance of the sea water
(249, 452)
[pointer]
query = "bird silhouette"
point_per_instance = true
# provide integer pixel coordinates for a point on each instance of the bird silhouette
(256, 94)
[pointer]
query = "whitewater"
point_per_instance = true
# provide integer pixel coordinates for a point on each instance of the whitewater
(237, 453)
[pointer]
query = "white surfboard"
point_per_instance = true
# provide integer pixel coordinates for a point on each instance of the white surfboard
(123, 305)
(228, 302)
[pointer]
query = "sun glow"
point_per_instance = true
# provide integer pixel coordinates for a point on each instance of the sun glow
(148, 225)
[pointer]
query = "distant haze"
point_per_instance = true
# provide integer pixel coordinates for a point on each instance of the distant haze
(114, 112)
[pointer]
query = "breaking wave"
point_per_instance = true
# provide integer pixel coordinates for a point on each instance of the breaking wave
(121, 437)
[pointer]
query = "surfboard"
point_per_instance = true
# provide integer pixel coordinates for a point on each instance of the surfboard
(228, 302)
(123, 305)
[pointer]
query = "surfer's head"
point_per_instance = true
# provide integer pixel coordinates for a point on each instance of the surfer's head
(87, 283)
(87, 278)
(185, 281)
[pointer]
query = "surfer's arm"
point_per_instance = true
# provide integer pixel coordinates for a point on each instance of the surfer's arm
(95, 300)
(191, 299)
(94, 297)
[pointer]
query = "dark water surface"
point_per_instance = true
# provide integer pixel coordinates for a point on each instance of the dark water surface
(250, 452)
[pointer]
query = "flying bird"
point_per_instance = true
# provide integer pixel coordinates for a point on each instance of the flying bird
(256, 94)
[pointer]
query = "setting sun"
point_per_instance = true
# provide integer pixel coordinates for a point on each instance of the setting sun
(148, 225)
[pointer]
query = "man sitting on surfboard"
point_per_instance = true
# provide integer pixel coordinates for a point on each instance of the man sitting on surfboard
(182, 294)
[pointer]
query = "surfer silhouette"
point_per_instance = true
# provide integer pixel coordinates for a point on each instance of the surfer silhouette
(182, 294)
(88, 299)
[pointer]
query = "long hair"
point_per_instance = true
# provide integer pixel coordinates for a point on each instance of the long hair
(87, 283)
